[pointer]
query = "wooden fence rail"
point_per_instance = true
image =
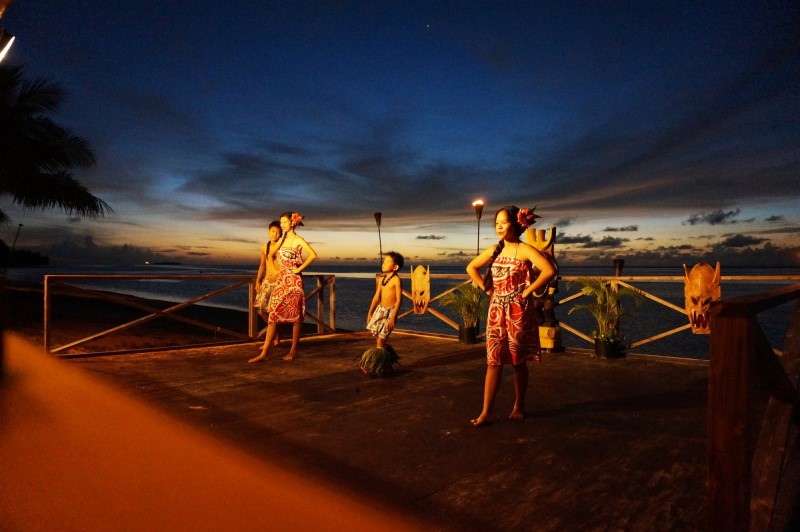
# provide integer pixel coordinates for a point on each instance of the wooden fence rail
(68, 283)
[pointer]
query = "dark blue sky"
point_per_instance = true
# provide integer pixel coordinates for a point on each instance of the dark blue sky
(658, 131)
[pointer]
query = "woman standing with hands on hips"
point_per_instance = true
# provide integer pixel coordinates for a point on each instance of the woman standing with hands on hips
(512, 333)
(287, 304)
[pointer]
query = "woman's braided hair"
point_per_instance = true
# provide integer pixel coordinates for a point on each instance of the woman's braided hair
(511, 211)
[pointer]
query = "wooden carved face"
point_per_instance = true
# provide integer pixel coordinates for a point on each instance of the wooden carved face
(420, 289)
(701, 287)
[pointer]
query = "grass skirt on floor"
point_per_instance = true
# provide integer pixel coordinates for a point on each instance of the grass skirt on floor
(378, 362)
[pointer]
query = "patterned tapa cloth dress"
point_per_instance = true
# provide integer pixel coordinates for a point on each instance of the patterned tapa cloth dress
(288, 301)
(512, 333)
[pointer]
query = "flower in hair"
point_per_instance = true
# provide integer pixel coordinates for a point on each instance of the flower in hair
(526, 218)
(297, 219)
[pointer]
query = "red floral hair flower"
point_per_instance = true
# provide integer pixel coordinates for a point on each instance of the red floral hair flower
(526, 218)
(297, 219)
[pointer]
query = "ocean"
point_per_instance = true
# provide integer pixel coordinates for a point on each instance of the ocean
(355, 287)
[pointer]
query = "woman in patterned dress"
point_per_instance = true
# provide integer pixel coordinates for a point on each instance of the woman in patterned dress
(287, 304)
(512, 333)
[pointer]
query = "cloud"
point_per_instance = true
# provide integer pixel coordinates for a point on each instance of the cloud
(781, 230)
(714, 218)
(606, 242)
(622, 229)
(579, 239)
(742, 241)
(563, 222)
(684, 254)
(589, 242)
(775, 218)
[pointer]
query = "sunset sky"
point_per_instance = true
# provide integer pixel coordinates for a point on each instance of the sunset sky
(660, 131)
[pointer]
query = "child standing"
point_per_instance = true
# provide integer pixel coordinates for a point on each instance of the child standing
(382, 317)
(267, 273)
(512, 333)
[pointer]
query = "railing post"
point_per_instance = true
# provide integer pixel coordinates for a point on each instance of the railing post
(320, 304)
(332, 284)
(252, 313)
(618, 264)
(730, 370)
(46, 318)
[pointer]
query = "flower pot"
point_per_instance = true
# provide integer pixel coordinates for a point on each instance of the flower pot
(467, 335)
(609, 349)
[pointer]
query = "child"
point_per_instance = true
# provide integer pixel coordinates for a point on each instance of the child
(267, 274)
(382, 317)
(512, 334)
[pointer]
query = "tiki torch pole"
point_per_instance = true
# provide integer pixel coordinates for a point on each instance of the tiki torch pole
(478, 204)
(380, 244)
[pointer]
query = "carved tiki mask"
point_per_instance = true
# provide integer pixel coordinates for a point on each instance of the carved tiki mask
(537, 239)
(420, 289)
(701, 287)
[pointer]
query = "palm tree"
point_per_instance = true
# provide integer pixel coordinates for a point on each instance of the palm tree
(36, 154)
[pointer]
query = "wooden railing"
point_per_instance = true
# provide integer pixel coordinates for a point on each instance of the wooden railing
(327, 305)
(620, 280)
(434, 298)
(67, 282)
(628, 281)
(746, 484)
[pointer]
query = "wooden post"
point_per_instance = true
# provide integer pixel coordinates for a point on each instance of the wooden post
(729, 461)
(252, 313)
(618, 264)
(332, 283)
(320, 305)
(46, 318)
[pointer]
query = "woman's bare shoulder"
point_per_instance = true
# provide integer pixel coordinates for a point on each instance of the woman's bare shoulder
(299, 240)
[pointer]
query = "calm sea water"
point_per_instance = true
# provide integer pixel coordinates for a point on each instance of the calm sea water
(355, 287)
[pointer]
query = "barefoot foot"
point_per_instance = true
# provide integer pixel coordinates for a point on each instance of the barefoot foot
(290, 356)
(262, 356)
(482, 420)
(517, 413)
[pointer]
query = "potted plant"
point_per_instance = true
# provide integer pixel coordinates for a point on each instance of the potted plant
(607, 309)
(469, 302)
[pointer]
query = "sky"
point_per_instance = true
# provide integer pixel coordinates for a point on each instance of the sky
(661, 132)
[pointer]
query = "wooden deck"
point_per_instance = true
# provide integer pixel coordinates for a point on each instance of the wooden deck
(605, 445)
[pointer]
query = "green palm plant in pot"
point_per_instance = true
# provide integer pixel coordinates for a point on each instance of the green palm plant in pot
(470, 303)
(607, 310)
